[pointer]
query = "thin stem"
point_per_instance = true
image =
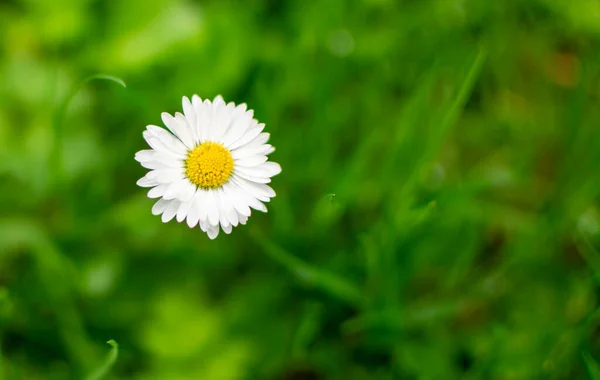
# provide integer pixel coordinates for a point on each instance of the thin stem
(305, 272)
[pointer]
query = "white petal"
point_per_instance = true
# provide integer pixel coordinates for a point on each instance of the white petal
(204, 112)
(222, 121)
(240, 173)
(272, 167)
(188, 133)
(261, 139)
(154, 165)
(190, 115)
(250, 134)
(193, 214)
(167, 175)
(224, 222)
(241, 108)
(252, 202)
(201, 204)
(175, 189)
(238, 127)
(145, 155)
(227, 229)
(213, 232)
(160, 206)
(167, 138)
(256, 142)
(170, 161)
(235, 114)
(183, 210)
(151, 155)
(182, 189)
(179, 127)
(218, 101)
(162, 160)
(197, 106)
(251, 161)
(259, 191)
(190, 138)
(243, 219)
(158, 191)
(146, 182)
(212, 208)
(256, 204)
(233, 218)
(227, 207)
(158, 145)
(170, 211)
(216, 110)
(203, 224)
(188, 192)
(252, 150)
(268, 169)
(234, 194)
(227, 213)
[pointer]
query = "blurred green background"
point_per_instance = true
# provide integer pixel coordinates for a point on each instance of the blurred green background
(436, 218)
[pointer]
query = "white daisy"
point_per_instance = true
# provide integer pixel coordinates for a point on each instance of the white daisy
(211, 169)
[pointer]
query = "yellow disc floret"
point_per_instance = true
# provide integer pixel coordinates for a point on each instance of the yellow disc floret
(209, 165)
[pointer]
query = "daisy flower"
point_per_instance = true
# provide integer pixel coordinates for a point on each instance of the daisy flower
(211, 168)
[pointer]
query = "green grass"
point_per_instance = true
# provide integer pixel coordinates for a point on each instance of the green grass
(436, 218)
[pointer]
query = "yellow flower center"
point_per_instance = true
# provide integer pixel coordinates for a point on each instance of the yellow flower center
(209, 165)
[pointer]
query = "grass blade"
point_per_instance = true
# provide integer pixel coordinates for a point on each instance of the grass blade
(328, 281)
(105, 368)
(58, 120)
(592, 365)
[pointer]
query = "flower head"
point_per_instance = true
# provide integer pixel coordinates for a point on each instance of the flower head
(211, 168)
